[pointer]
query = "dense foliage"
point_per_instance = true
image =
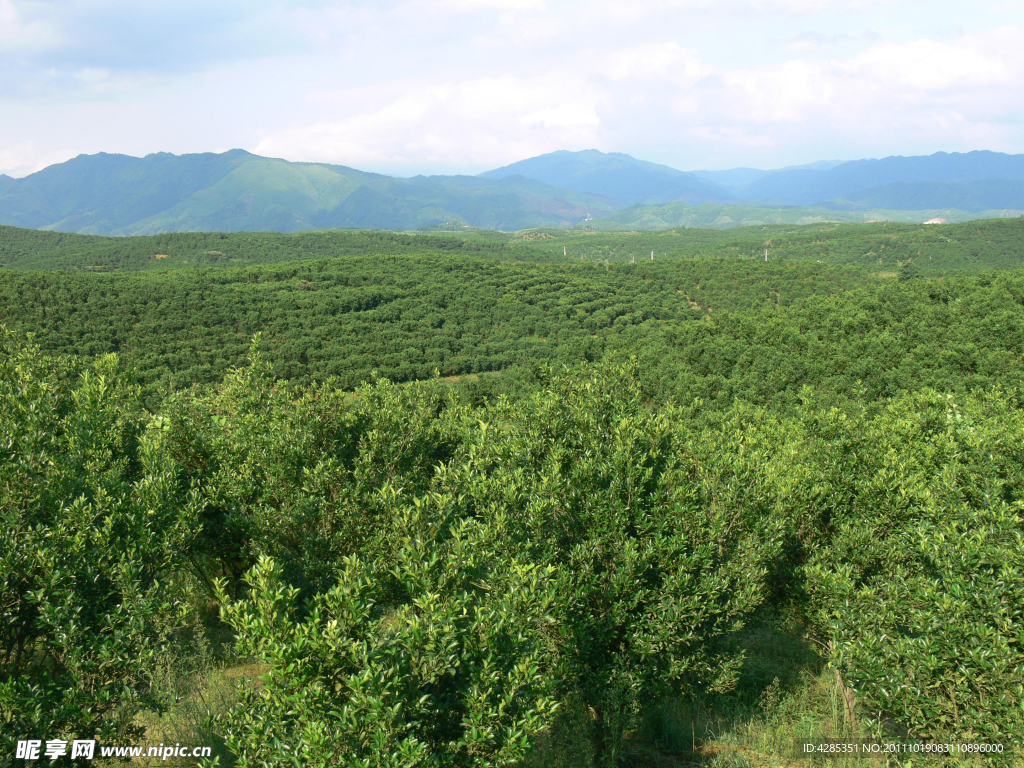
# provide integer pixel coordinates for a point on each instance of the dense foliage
(426, 573)
(95, 526)
(32, 249)
(691, 321)
(966, 248)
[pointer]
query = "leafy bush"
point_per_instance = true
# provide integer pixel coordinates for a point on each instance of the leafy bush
(919, 588)
(437, 658)
(95, 526)
(938, 645)
(295, 474)
(651, 575)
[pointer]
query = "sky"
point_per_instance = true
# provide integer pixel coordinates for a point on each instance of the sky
(461, 86)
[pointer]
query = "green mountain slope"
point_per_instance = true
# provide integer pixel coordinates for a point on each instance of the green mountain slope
(238, 191)
(101, 194)
(260, 194)
(965, 248)
(30, 249)
(614, 175)
(975, 196)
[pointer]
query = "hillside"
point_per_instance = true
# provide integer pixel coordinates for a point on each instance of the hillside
(860, 208)
(238, 191)
(182, 307)
(975, 197)
(406, 317)
(966, 248)
(615, 176)
(34, 249)
(955, 186)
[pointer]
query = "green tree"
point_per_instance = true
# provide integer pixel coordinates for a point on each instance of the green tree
(436, 658)
(295, 474)
(652, 575)
(918, 586)
(909, 271)
(95, 527)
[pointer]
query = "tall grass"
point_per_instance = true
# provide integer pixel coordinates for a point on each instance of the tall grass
(786, 696)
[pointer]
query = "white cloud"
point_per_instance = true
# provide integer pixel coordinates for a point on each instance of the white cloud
(19, 36)
(928, 65)
(492, 5)
(570, 115)
(92, 76)
(662, 91)
(13, 159)
(476, 122)
(26, 157)
(450, 85)
(656, 60)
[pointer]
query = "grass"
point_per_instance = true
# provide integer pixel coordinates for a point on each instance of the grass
(187, 720)
(786, 696)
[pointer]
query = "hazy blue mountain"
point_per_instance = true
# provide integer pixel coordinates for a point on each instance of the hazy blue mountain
(974, 196)
(235, 191)
(728, 216)
(811, 187)
(615, 176)
(5, 182)
(819, 165)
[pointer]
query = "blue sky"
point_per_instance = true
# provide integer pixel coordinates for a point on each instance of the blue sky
(460, 86)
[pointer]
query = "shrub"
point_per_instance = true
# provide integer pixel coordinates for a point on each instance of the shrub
(651, 574)
(437, 658)
(95, 525)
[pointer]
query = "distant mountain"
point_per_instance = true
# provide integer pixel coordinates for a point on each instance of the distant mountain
(735, 180)
(819, 165)
(974, 196)
(813, 187)
(236, 191)
(614, 176)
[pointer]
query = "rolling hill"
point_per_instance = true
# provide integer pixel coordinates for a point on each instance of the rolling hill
(974, 196)
(952, 185)
(729, 216)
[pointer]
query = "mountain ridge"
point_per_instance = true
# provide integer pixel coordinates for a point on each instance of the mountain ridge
(614, 175)
(239, 191)
(810, 187)
(116, 194)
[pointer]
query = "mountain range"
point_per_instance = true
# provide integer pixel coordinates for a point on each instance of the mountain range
(237, 191)
(615, 176)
